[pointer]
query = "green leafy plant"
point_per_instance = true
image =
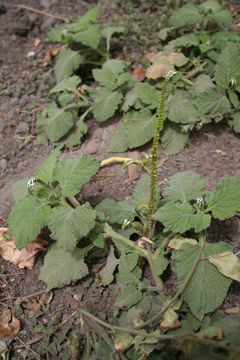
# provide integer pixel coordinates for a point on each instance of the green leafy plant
(159, 229)
(207, 86)
(197, 43)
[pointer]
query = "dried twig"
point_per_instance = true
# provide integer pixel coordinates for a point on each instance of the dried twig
(28, 347)
(33, 341)
(21, 6)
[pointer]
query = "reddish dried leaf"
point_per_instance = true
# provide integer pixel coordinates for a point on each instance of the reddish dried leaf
(31, 305)
(9, 325)
(37, 42)
(25, 258)
(45, 298)
(166, 326)
(139, 73)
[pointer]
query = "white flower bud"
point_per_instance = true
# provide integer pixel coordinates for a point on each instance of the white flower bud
(31, 182)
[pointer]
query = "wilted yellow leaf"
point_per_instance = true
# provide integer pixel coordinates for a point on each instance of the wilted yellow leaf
(159, 69)
(177, 242)
(227, 263)
(177, 59)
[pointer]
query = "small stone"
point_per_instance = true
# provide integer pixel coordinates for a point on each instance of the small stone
(3, 164)
(2, 125)
(22, 128)
(31, 54)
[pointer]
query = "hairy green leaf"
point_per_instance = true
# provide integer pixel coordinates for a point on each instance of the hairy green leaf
(141, 193)
(136, 122)
(227, 67)
(236, 122)
(186, 40)
(184, 186)
(173, 139)
(128, 297)
(213, 102)
(65, 98)
(46, 170)
(208, 287)
(26, 220)
(225, 202)
(105, 77)
(108, 32)
(148, 94)
(105, 103)
(73, 174)
(180, 217)
(107, 273)
(186, 15)
(181, 111)
(69, 84)
(69, 225)
(116, 212)
(160, 264)
(223, 19)
(61, 267)
(211, 5)
(20, 190)
(115, 65)
(57, 123)
(202, 84)
(118, 141)
(68, 61)
(89, 37)
(74, 136)
(87, 19)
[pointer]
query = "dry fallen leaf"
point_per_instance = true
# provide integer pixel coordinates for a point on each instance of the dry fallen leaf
(158, 70)
(37, 303)
(163, 63)
(234, 310)
(51, 53)
(221, 153)
(25, 258)
(37, 42)
(139, 73)
(9, 324)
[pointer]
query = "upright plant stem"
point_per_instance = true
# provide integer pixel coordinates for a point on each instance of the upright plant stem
(154, 157)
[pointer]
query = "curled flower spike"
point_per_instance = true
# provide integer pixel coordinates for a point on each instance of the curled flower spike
(125, 223)
(31, 182)
(170, 74)
(199, 200)
(233, 82)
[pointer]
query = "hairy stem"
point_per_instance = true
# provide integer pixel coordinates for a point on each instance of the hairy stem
(155, 276)
(128, 330)
(154, 157)
(109, 232)
(184, 285)
(120, 160)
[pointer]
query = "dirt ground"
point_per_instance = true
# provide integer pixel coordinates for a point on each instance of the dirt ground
(25, 81)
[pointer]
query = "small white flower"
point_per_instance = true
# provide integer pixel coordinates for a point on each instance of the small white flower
(233, 82)
(148, 156)
(31, 182)
(170, 74)
(64, 32)
(126, 222)
(199, 200)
